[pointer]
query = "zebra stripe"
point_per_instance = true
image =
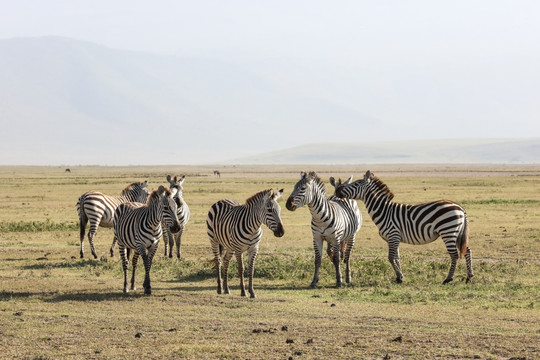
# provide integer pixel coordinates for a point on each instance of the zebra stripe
(333, 220)
(413, 224)
(99, 208)
(234, 229)
(169, 239)
(138, 227)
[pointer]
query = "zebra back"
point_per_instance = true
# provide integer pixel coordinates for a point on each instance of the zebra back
(94, 205)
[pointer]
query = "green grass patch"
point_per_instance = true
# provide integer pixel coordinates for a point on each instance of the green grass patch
(36, 226)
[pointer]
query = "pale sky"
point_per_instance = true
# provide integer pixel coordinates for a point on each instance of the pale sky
(456, 68)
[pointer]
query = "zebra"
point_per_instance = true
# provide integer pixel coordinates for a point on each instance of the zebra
(413, 224)
(183, 216)
(332, 219)
(138, 227)
(98, 209)
(234, 229)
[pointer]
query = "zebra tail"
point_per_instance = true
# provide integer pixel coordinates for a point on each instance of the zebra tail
(463, 238)
(83, 219)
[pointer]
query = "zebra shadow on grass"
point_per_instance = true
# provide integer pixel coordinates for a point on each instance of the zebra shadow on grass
(54, 296)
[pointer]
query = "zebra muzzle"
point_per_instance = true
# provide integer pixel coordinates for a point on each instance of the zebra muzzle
(280, 231)
(175, 227)
(290, 204)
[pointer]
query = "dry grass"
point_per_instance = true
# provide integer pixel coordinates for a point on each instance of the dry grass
(55, 305)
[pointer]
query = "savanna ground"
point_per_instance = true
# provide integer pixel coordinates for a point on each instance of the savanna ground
(54, 305)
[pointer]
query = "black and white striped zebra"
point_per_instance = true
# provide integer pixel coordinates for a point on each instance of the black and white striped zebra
(169, 238)
(413, 224)
(234, 229)
(98, 209)
(333, 220)
(137, 227)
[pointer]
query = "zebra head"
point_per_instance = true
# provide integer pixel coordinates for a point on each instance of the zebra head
(176, 183)
(303, 191)
(272, 214)
(355, 190)
(169, 208)
(137, 192)
(338, 183)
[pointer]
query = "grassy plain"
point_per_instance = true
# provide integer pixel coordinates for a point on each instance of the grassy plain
(54, 305)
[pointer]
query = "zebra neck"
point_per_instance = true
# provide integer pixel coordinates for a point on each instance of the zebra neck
(319, 205)
(254, 216)
(377, 205)
(154, 214)
(130, 197)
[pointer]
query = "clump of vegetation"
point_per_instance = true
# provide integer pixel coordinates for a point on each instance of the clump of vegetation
(36, 226)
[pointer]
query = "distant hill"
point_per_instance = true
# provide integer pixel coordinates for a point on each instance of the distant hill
(460, 151)
(64, 101)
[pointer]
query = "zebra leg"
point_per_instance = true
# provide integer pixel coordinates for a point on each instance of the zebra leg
(91, 234)
(454, 256)
(393, 257)
(112, 246)
(318, 246)
(216, 249)
(226, 258)
(251, 258)
(335, 259)
(148, 266)
(178, 240)
(166, 234)
(347, 258)
(134, 262)
(468, 260)
(125, 261)
(240, 263)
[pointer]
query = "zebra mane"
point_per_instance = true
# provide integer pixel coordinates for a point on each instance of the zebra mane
(131, 187)
(382, 188)
(318, 181)
(253, 199)
(155, 194)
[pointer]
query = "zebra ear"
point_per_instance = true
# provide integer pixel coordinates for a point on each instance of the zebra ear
(303, 175)
(145, 183)
(348, 181)
(161, 190)
(169, 178)
(332, 181)
(182, 179)
(367, 176)
(278, 194)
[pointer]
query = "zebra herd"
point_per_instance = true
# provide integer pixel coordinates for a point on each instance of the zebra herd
(140, 218)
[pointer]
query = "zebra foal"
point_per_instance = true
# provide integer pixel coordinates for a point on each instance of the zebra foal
(169, 238)
(138, 227)
(333, 220)
(234, 229)
(413, 224)
(98, 209)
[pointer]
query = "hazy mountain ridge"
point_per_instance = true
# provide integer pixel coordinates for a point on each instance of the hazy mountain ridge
(60, 96)
(457, 151)
(64, 101)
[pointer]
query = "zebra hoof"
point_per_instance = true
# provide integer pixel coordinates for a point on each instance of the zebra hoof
(469, 279)
(148, 291)
(399, 281)
(446, 281)
(313, 285)
(253, 296)
(126, 291)
(170, 256)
